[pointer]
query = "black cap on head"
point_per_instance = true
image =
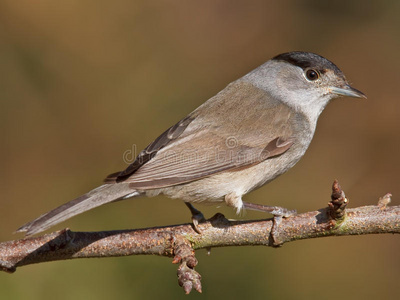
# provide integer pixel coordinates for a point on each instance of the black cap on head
(306, 60)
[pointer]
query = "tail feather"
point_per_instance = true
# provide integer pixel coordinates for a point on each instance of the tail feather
(99, 196)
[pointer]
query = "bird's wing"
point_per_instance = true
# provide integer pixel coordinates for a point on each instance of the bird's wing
(226, 133)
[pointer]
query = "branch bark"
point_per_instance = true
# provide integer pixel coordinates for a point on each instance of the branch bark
(181, 241)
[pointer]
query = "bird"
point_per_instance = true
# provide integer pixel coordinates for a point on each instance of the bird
(252, 131)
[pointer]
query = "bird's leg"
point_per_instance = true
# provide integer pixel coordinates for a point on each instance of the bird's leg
(197, 217)
(275, 210)
(278, 212)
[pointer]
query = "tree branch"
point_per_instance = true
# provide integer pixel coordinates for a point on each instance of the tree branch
(180, 241)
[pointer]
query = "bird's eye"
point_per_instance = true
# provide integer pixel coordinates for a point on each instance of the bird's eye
(312, 75)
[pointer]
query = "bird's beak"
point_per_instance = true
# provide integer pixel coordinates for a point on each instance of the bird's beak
(348, 91)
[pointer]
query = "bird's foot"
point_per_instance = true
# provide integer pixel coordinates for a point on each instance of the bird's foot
(277, 211)
(197, 217)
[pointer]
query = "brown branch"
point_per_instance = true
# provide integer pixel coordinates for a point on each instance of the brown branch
(180, 241)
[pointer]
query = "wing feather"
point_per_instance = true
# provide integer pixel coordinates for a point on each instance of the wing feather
(214, 138)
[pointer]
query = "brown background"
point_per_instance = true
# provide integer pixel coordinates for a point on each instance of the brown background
(81, 82)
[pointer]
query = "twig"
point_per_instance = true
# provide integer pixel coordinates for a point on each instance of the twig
(180, 241)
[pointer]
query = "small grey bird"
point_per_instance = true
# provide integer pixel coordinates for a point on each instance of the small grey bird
(254, 130)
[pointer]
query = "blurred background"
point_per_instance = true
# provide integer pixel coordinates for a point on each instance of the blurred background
(83, 82)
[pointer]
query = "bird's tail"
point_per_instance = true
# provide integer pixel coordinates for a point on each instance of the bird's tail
(99, 196)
